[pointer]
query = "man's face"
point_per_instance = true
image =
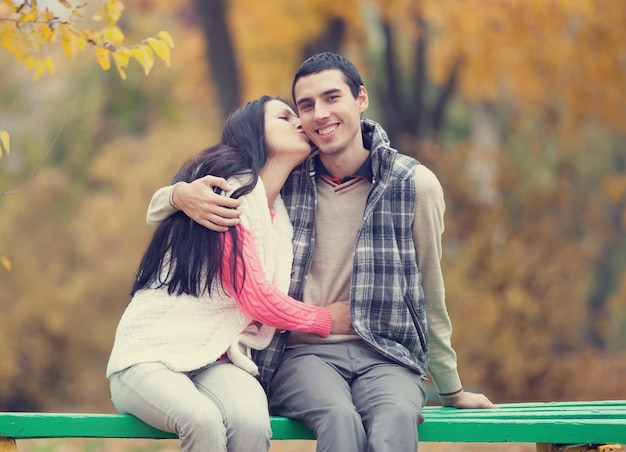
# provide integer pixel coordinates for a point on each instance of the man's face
(330, 115)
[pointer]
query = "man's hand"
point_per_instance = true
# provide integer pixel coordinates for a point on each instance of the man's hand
(469, 400)
(342, 320)
(200, 203)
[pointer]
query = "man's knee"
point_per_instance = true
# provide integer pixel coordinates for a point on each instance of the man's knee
(340, 428)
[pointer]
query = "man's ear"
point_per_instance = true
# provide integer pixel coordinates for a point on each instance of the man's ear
(363, 99)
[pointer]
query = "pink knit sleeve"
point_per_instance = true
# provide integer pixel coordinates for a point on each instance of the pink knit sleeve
(261, 300)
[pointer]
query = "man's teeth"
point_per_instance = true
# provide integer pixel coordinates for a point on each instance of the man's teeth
(327, 130)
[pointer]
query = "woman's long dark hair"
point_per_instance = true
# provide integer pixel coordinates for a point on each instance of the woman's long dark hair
(183, 255)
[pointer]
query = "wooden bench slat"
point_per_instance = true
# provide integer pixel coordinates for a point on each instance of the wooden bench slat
(566, 423)
(70, 425)
(287, 429)
(553, 414)
(516, 431)
(548, 405)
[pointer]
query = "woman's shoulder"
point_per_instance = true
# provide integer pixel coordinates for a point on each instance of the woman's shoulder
(253, 204)
(256, 194)
(238, 181)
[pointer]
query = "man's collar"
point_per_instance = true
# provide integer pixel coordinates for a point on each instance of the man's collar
(365, 171)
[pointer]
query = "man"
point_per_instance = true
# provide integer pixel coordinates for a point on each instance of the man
(354, 200)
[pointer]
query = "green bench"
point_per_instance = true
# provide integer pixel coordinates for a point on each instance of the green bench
(575, 426)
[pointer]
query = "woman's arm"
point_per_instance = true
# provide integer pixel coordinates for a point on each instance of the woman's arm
(261, 300)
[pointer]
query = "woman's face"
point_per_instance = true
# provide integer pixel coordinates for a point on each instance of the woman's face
(283, 133)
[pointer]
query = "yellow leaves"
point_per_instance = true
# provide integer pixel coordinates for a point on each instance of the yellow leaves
(143, 54)
(103, 57)
(165, 36)
(39, 66)
(120, 58)
(5, 143)
(113, 35)
(535, 52)
(160, 47)
(6, 263)
(27, 32)
(31, 16)
(72, 43)
(110, 11)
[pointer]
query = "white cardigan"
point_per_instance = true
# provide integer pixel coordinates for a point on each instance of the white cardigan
(186, 333)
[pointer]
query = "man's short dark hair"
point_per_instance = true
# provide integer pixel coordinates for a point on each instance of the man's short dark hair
(327, 61)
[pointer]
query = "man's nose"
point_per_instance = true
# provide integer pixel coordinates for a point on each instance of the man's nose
(321, 112)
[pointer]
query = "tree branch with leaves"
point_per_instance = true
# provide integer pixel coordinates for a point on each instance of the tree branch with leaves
(27, 31)
(30, 32)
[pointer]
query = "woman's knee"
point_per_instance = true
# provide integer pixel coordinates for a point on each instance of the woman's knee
(200, 416)
(253, 420)
(200, 427)
(251, 433)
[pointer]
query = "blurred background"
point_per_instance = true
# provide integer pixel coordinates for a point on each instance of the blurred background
(518, 106)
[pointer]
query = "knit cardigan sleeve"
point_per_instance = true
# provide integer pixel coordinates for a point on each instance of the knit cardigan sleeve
(261, 300)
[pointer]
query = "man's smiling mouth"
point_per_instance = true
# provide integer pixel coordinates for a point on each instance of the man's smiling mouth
(327, 130)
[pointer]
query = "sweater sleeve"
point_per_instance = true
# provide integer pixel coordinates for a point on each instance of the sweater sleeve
(261, 300)
(160, 206)
(427, 230)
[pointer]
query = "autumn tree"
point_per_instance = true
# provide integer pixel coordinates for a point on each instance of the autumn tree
(251, 51)
(427, 51)
(220, 52)
(559, 62)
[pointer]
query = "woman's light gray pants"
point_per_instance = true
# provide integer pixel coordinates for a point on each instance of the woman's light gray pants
(217, 408)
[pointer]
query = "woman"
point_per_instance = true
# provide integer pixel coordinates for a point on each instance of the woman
(202, 299)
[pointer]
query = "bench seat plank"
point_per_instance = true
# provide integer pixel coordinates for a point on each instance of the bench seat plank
(564, 423)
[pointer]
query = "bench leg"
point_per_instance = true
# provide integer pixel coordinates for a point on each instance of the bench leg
(7, 444)
(546, 447)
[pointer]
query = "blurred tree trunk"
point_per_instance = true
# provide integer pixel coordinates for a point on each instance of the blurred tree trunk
(610, 266)
(406, 109)
(220, 53)
(329, 41)
(399, 116)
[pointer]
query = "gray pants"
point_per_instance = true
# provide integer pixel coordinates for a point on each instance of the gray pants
(353, 398)
(217, 408)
